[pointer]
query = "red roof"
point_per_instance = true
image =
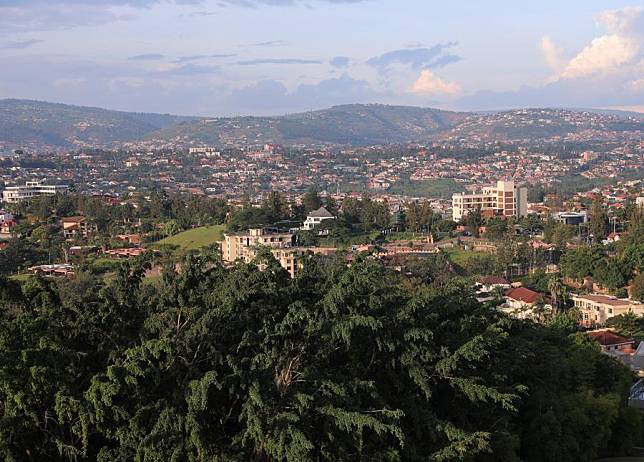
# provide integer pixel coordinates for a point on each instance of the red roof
(523, 295)
(494, 280)
(607, 337)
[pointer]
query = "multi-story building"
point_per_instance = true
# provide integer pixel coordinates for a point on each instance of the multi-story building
(244, 247)
(14, 194)
(235, 245)
(291, 258)
(505, 199)
(596, 309)
(77, 227)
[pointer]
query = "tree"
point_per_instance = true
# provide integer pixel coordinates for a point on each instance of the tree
(473, 221)
(598, 221)
(311, 200)
(637, 287)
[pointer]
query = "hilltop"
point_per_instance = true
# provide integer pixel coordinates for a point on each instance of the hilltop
(38, 125)
(43, 124)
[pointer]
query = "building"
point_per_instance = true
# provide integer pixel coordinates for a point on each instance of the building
(291, 258)
(5, 216)
(520, 302)
(235, 245)
(77, 227)
(504, 199)
(14, 194)
(209, 151)
(596, 309)
(610, 341)
(316, 217)
(571, 218)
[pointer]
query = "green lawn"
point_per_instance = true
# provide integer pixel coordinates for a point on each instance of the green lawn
(196, 238)
(460, 256)
(22, 277)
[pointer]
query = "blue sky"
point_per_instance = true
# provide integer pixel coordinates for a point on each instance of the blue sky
(231, 57)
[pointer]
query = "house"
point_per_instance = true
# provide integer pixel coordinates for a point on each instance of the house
(625, 350)
(134, 239)
(609, 340)
(77, 227)
(316, 217)
(57, 270)
(521, 302)
(595, 309)
(487, 285)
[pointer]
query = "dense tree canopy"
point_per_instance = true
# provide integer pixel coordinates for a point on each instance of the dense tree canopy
(340, 363)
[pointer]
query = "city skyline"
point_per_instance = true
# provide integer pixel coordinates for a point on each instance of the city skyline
(268, 57)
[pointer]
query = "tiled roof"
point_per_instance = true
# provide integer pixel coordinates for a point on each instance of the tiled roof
(608, 337)
(523, 295)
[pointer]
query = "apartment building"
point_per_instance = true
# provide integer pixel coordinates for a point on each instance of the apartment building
(596, 309)
(77, 227)
(505, 199)
(14, 194)
(290, 258)
(235, 245)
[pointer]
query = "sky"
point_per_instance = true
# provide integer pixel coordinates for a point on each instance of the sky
(268, 57)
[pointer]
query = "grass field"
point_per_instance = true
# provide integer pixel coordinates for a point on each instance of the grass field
(461, 257)
(195, 238)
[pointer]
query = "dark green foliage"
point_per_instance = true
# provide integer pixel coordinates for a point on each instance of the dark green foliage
(337, 364)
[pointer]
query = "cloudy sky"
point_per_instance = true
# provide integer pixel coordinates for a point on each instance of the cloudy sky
(232, 57)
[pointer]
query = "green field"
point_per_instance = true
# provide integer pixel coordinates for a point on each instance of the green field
(195, 238)
(462, 257)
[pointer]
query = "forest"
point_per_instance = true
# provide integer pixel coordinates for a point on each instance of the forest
(342, 362)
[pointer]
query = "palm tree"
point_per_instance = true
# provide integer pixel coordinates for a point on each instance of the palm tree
(555, 288)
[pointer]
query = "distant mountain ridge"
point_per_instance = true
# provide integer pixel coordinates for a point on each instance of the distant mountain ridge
(34, 124)
(26, 122)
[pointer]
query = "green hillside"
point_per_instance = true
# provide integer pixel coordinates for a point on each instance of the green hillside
(196, 238)
(24, 122)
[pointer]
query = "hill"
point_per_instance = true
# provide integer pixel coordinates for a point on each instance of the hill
(42, 124)
(38, 125)
(374, 124)
(355, 124)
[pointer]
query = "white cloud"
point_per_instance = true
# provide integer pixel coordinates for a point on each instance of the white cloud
(608, 53)
(605, 53)
(429, 83)
(552, 54)
(625, 21)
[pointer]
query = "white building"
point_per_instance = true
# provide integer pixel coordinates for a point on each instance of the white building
(209, 151)
(316, 217)
(505, 199)
(13, 194)
(596, 309)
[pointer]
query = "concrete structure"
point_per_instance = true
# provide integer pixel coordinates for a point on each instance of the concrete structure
(14, 194)
(571, 218)
(209, 151)
(505, 199)
(235, 245)
(316, 217)
(77, 227)
(596, 309)
(291, 258)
